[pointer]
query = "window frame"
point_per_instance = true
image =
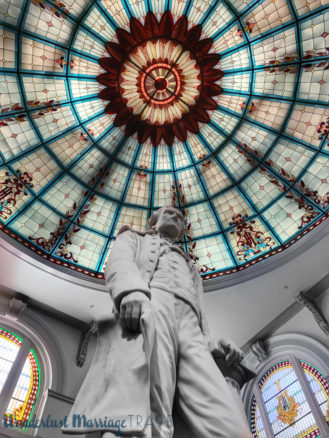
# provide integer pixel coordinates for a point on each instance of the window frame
(29, 342)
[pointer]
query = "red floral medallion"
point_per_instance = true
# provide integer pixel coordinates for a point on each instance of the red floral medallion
(160, 79)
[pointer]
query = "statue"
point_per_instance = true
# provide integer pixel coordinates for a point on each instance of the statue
(157, 347)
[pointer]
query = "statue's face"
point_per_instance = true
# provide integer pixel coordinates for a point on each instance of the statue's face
(170, 222)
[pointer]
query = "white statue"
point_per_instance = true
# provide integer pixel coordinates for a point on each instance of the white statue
(157, 347)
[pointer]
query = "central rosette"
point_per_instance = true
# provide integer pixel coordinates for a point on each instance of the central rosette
(160, 79)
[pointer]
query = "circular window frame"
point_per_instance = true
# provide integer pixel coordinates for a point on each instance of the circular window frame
(38, 337)
(294, 347)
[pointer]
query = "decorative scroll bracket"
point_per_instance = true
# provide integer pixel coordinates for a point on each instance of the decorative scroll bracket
(83, 347)
(16, 308)
(258, 349)
(256, 353)
(314, 309)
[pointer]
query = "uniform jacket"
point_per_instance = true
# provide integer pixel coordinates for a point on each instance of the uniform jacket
(117, 385)
(131, 265)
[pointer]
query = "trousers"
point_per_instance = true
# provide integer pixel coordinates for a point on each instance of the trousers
(182, 370)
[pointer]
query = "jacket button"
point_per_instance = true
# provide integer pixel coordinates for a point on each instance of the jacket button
(151, 260)
(153, 250)
(148, 270)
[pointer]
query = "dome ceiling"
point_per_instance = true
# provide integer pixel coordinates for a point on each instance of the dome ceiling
(113, 108)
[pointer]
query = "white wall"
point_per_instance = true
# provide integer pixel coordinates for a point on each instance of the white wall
(69, 337)
(305, 324)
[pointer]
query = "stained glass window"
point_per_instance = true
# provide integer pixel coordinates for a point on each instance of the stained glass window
(112, 108)
(24, 390)
(287, 404)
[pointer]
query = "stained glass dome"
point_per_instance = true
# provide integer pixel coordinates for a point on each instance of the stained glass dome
(113, 108)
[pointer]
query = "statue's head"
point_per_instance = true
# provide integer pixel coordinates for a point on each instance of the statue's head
(168, 221)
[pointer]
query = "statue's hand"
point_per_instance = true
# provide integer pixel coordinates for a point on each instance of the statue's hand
(132, 307)
(222, 348)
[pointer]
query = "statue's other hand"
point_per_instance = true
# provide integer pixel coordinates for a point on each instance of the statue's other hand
(132, 307)
(233, 355)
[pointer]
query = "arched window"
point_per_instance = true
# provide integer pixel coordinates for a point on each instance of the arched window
(20, 379)
(290, 400)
